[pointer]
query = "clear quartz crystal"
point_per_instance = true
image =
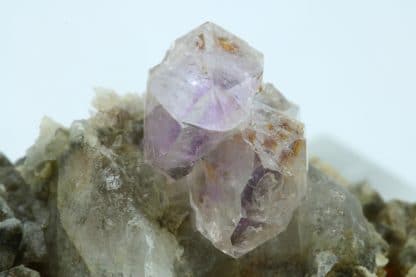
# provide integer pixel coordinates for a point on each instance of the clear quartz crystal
(238, 203)
(245, 191)
(209, 117)
(120, 217)
(273, 130)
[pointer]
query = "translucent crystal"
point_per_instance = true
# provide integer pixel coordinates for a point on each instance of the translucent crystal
(172, 146)
(207, 78)
(273, 131)
(238, 203)
(209, 116)
(117, 216)
(201, 90)
(104, 196)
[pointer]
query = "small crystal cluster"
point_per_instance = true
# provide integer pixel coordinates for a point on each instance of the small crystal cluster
(209, 117)
(83, 203)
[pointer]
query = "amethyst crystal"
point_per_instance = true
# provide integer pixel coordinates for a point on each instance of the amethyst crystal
(209, 117)
(204, 86)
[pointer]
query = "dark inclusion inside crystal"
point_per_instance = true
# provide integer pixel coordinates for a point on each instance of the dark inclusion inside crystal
(240, 233)
(249, 197)
(202, 101)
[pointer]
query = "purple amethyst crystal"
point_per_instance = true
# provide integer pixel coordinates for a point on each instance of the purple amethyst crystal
(207, 79)
(204, 87)
(238, 203)
(238, 141)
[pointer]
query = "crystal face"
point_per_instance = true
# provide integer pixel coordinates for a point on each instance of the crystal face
(209, 117)
(203, 89)
(239, 203)
(212, 74)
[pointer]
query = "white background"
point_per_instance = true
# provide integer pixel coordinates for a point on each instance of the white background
(350, 65)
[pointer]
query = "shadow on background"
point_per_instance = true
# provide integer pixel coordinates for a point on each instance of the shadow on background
(356, 168)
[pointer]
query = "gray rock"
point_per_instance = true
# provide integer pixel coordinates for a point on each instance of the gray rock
(4, 161)
(19, 195)
(396, 221)
(392, 222)
(63, 258)
(10, 237)
(10, 178)
(45, 244)
(5, 211)
(20, 271)
(333, 230)
(101, 211)
(370, 199)
(104, 185)
(33, 246)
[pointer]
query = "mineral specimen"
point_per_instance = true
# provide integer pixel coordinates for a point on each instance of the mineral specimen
(117, 216)
(208, 116)
(83, 202)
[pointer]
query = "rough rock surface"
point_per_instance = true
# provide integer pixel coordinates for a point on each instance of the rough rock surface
(15, 200)
(396, 222)
(10, 237)
(20, 271)
(103, 212)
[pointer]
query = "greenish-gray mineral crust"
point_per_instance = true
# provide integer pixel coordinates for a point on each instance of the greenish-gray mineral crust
(83, 203)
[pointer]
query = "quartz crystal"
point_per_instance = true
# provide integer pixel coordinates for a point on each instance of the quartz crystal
(201, 91)
(108, 204)
(83, 201)
(104, 212)
(210, 117)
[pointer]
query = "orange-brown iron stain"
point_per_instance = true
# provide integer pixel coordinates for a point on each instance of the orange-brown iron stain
(297, 147)
(270, 143)
(201, 42)
(210, 171)
(251, 136)
(227, 45)
(294, 150)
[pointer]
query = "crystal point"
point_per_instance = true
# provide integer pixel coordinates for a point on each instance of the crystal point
(201, 91)
(212, 74)
(209, 117)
